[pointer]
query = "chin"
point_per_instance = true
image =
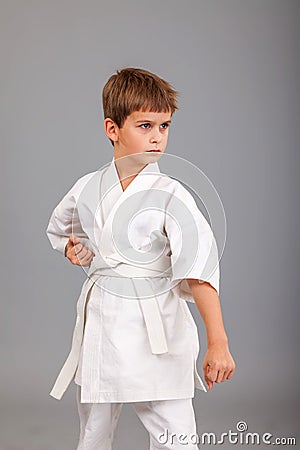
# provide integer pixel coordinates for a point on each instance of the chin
(145, 157)
(153, 156)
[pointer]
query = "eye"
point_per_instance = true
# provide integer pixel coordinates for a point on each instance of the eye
(165, 125)
(145, 124)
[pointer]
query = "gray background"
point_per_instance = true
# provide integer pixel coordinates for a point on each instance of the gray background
(236, 66)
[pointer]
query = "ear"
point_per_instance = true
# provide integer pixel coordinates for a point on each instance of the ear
(111, 129)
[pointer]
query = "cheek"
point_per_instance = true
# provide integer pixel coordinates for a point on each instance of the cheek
(130, 139)
(165, 137)
(139, 139)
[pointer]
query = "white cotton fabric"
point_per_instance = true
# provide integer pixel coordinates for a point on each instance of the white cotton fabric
(134, 337)
(165, 421)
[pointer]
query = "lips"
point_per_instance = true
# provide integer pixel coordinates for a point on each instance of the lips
(153, 150)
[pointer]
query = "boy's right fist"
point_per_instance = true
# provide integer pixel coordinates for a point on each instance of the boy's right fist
(77, 253)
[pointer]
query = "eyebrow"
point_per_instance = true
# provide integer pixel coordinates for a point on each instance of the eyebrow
(150, 121)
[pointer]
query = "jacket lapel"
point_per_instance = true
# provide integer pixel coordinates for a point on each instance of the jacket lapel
(112, 196)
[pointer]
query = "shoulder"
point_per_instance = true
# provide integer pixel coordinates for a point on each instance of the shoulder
(92, 176)
(176, 189)
(82, 182)
(182, 205)
(86, 178)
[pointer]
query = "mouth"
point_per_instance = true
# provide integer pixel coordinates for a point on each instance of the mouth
(158, 151)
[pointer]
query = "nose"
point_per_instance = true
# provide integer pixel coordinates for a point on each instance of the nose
(155, 136)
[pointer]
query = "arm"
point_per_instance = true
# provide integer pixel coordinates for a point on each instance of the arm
(65, 232)
(218, 364)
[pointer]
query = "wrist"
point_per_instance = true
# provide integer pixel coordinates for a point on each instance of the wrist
(217, 341)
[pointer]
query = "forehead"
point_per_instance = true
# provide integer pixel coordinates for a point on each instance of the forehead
(149, 116)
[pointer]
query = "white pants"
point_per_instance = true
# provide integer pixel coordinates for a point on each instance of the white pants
(161, 418)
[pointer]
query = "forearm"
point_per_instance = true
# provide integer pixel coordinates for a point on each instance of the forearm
(208, 304)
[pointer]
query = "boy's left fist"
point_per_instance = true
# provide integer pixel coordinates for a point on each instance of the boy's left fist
(218, 364)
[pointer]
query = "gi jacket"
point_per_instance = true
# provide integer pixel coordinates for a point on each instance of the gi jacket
(134, 337)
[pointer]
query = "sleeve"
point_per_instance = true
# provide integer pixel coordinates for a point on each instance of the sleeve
(64, 221)
(194, 252)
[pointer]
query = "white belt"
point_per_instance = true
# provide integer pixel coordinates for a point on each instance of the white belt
(150, 309)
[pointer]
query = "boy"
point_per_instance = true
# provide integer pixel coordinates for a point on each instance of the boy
(135, 339)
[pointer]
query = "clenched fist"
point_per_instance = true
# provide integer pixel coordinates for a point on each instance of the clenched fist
(77, 253)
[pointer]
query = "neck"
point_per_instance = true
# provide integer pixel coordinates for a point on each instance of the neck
(129, 167)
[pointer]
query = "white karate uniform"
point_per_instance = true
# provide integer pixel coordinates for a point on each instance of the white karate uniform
(171, 424)
(135, 339)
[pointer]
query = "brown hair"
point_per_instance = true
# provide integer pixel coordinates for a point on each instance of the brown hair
(131, 90)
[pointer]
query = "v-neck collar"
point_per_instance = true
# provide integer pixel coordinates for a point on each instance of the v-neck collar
(149, 168)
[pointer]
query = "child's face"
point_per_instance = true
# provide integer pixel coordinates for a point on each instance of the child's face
(142, 132)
